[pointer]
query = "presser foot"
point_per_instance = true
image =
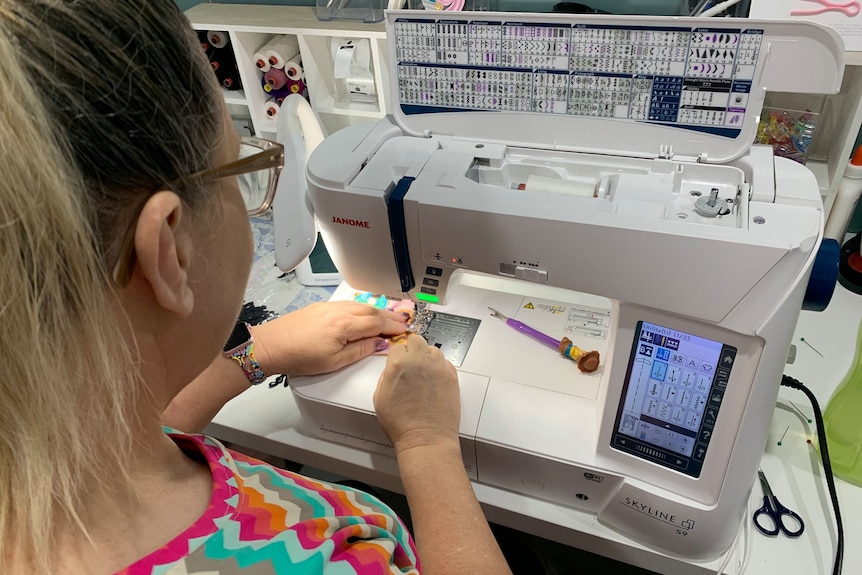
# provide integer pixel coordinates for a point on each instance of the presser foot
(421, 318)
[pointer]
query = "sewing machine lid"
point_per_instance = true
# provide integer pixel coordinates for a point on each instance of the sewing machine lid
(639, 86)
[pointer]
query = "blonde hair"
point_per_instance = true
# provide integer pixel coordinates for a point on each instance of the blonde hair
(103, 102)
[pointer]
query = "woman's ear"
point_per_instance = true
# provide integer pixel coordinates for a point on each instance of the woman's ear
(164, 249)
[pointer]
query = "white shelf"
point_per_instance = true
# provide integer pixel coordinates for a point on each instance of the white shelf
(250, 27)
(274, 20)
(234, 96)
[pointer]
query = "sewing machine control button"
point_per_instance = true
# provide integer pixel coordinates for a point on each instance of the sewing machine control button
(709, 416)
(715, 396)
(685, 446)
(432, 291)
(433, 271)
(531, 274)
(430, 282)
(699, 453)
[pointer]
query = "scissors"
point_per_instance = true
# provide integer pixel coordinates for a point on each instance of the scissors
(776, 512)
(849, 8)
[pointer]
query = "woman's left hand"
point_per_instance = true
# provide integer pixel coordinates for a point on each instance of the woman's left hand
(324, 337)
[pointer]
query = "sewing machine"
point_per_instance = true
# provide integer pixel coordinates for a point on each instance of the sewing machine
(593, 178)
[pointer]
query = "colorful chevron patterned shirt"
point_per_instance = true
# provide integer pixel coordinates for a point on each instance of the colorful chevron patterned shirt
(266, 521)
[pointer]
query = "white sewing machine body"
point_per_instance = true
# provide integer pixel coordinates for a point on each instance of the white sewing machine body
(615, 249)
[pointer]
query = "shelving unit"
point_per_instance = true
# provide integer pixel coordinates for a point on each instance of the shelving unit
(250, 27)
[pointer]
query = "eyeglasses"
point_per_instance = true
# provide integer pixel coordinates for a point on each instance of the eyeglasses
(257, 170)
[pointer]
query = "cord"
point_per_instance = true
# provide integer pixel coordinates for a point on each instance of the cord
(792, 383)
(747, 554)
(718, 8)
(743, 529)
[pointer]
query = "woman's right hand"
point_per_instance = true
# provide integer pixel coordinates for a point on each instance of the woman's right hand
(417, 400)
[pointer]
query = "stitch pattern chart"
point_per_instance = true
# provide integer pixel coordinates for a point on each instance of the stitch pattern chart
(700, 78)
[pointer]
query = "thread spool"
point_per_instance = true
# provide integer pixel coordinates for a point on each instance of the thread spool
(205, 44)
(259, 58)
(296, 87)
(275, 78)
(274, 93)
(261, 62)
(572, 187)
(220, 65)
(218, 39)
(294, 70)
(271, 108)
(278, 95)
(281, 50)
(226, 70)
(231, 83)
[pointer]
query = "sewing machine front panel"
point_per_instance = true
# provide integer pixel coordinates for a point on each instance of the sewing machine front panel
(659, 264)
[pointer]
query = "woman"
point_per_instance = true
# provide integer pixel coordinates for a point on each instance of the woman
(125, 256)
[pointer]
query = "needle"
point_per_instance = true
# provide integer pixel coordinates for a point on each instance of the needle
(783, 434)
(802, 339)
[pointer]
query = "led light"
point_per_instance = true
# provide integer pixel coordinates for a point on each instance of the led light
(427, 297)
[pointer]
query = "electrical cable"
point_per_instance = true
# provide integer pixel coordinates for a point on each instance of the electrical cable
(732, 549)
(747, 554)
(718, 8)
(792, 383)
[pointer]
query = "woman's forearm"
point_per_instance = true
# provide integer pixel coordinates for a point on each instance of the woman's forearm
(194, 407)
(452, 534)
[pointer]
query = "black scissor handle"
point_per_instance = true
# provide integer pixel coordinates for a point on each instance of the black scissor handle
(783, 514)
(772, 529)
(777, 519)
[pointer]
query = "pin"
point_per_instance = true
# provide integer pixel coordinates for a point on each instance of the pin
(783, 434)
(799, 411)
(802, 339)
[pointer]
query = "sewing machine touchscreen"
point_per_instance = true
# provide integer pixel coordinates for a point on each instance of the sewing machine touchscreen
(674, 387)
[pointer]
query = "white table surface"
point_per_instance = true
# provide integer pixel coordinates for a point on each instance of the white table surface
(267, 419)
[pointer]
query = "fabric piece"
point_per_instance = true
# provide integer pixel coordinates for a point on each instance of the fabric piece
(404, 306)
(262, 520)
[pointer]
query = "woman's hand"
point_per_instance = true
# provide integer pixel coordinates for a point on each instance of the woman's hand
(324, 337)
(417, 400)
